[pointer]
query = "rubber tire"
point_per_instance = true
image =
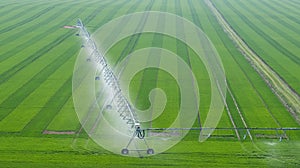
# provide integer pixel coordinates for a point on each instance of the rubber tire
(125, 151)
(150, 151)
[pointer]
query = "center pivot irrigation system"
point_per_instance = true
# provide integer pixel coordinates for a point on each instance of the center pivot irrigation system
(123, 106)
(122, 110)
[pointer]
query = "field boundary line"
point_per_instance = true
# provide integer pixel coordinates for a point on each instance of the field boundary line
(238, 109)
(279, 87)
(230, 128)
(254, 88)
(229, 114)
(227, 108)
(258, 93)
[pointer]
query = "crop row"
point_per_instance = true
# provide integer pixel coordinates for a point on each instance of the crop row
(41, 77)
(284, 21)
(108, 17)
(275, 109)
(142, 89)
(273, 50)
(34, 37)
(231, 109)
(270, 40)
(13, 13)
(254, 108)
(255, 85)
(25, 21)
(289, 94)
(29, 73)
(270, 56)
(285, 9)
(15, 99)
(53, 29)
(290, 43)
(40, 121)
(59, 122)
(286, 39)
(68, 113)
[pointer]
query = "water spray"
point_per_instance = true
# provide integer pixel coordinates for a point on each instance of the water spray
(123, 107)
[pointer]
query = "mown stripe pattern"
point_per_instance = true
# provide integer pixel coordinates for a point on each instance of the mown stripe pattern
(62, 47)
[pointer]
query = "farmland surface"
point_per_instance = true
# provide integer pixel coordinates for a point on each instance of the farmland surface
(38, 123)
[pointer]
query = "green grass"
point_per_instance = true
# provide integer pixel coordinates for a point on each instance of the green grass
(37, 58)
(57, 152)
(65, 119)
(280, 42)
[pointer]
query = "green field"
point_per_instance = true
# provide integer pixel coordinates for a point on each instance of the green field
(37, 57)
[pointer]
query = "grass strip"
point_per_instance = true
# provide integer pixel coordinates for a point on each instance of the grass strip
(274, 14)
(274, 43)
(19, 95)
(27, 20)
(5, 75)
(134, 38)
(258, 45)
(279, 87)
(20, 13)
(39, 53)
(40, 121)
(281, 31)
(38, 37)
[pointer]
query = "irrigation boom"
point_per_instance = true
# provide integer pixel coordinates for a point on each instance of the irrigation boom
(122, 104)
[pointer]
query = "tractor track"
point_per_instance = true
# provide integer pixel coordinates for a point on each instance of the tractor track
(227, 108)
(288, 97)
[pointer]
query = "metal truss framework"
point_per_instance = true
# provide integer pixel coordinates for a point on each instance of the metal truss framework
(123, 106)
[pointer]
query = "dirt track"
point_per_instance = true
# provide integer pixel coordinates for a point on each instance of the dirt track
(288, 97)
(59, 132)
